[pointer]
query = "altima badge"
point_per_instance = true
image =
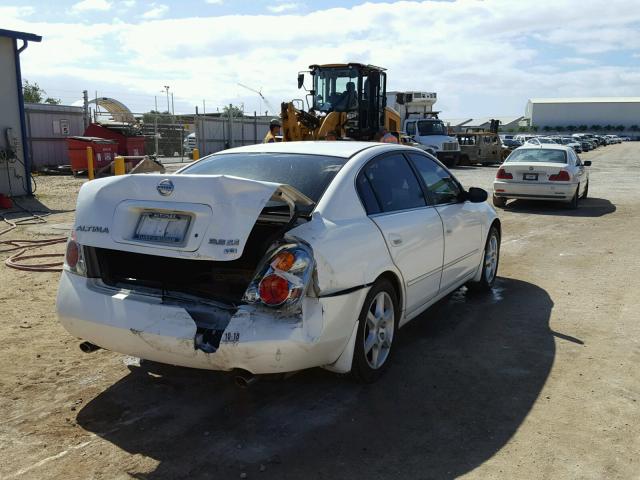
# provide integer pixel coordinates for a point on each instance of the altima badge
(165, 187)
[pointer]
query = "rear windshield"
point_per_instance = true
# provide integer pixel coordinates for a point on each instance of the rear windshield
(540, 155)
(309, 174)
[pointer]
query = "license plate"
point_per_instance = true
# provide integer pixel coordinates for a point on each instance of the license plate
(530, 176)
(161, 227)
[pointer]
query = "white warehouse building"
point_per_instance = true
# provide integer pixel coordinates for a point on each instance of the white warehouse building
(602, 111)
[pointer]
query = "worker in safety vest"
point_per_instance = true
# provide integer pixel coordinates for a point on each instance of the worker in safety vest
(274, 129)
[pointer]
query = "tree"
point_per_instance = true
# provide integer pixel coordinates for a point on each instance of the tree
(559, 129)
(233, 110)
(583, 127)
(153, 116)
(571, 128)
(608, 128)
(596, 127)
(620, 128)
(634, 128)
(32, 93)
(534, 128)
(546, 128)
(522, 129)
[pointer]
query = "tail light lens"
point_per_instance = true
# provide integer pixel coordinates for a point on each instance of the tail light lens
(283, 276)
(74, 257)
(561, 176)
(503, 175)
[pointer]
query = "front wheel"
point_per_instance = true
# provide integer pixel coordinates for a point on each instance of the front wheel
(377, 326)
(490, 262)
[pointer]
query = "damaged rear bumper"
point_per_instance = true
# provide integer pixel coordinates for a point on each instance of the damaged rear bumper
(257, 340)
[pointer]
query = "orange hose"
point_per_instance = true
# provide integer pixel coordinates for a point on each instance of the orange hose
(24, 246)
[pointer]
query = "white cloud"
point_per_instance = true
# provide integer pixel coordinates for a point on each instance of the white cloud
(16, 12)
(128, 3)
(88, 5)
(214, 2)
(156, 11)
(283, 7)
(482, 58)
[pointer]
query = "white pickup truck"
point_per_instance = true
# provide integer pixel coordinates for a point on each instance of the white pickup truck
(421, 123)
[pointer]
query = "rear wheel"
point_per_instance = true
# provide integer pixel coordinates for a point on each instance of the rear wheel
(499, 201)
(574, 201)
(586, 190)
(377, 326)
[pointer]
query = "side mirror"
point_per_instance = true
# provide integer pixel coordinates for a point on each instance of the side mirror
(477, 195)
(300, 80)
(587, 163)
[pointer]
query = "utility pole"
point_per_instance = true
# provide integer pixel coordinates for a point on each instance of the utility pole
(204, 110)
(85, 105)
(155, 126)
(166, 87)
(173, 112)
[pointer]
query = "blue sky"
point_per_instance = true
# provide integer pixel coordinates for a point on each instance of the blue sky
(483, 58)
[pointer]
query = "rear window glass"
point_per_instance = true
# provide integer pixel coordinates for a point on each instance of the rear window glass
(539, 155)
(309, 174)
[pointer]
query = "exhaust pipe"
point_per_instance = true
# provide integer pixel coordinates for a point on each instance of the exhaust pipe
(88, 347)
(244, 379)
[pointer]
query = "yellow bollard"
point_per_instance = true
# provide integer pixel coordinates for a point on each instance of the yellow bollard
(196, 154)
(119, 166)
(90, 171)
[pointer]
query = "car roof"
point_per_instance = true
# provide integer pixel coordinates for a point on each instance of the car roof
(545, 146)
(338, 148)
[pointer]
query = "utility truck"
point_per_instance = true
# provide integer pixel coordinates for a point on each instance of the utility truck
(422, 124)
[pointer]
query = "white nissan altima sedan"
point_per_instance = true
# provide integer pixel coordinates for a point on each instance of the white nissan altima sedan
(542, 172)
(275, 257)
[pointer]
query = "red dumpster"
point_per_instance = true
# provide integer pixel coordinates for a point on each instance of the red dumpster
(128, 144)
(104, 151)
(135, 146)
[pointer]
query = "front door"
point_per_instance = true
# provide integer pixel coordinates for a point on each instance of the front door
(412, 230)
(461, 221)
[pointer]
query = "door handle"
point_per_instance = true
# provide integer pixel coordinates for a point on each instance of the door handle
(396, 240)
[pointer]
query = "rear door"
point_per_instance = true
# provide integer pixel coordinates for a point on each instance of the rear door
(461, 219)
(394, 200)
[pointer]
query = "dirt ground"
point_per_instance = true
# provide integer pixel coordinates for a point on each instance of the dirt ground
(538, 380)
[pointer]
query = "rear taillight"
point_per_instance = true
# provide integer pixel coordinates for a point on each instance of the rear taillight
(503, 175)
(283, 276)
(561, 176)
(274, 290)
(74, 257)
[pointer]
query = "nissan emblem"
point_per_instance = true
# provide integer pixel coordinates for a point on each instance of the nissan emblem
(165, 187)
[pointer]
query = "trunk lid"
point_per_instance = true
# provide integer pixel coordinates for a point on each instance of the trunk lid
(534, 172)
(207, 217)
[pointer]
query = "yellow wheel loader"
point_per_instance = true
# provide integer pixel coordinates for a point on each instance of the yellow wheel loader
(348, 99)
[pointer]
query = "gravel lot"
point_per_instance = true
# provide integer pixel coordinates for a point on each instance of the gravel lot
(538, 380)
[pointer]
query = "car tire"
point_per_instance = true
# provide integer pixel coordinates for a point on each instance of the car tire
(500, 202)
(586, 191)
(490, 262)
(573, 204)
(377, 327)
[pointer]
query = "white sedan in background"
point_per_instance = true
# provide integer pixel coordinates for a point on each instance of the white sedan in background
(274, 258)
(542, 172)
